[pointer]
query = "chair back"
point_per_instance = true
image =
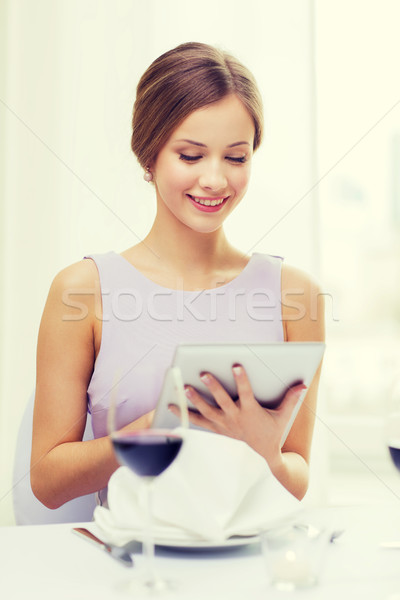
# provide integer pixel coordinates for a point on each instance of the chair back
(28, 510)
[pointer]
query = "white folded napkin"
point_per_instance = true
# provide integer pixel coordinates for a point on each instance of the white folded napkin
(216, 487)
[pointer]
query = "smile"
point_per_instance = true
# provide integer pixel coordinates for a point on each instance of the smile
(207, 201)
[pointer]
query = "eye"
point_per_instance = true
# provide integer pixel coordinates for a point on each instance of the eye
(239, 159)
(188, 158)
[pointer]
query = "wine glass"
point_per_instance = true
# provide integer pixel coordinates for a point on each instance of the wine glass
(148, 453)
(392, 436)
(392, 424)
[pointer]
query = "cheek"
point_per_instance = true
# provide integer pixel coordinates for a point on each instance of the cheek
(241, 179)
(178, 176)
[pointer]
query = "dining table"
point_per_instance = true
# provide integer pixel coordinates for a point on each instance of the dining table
(48, 561)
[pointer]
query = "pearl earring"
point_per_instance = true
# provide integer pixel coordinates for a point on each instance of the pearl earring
(148, 176)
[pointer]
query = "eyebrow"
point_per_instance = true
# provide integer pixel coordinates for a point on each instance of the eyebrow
(204, 145)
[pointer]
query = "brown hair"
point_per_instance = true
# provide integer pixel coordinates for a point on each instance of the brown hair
(180, 81)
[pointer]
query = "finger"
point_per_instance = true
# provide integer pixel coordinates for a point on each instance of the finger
(220, 394)
(175, 410)
(194, 418)
(209, 412)
(291, 398)
(198, 420)
(243, 386)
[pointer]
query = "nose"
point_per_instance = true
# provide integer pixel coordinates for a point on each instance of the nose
(213, 178)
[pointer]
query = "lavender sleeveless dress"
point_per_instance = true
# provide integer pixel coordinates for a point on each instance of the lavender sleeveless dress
(143, 322)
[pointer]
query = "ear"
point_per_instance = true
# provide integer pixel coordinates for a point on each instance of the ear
(152, 169)
(151, 163)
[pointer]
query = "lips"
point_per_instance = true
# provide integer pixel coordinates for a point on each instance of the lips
(207, 204)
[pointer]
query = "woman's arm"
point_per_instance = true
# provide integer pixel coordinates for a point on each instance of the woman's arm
(62, 466)
(303, 314)
(262, 429)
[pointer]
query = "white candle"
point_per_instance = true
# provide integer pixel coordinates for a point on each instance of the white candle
(291, 570)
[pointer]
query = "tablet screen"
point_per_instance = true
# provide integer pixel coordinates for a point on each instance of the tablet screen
(271, 368)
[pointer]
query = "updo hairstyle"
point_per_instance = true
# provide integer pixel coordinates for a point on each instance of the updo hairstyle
(182, 80)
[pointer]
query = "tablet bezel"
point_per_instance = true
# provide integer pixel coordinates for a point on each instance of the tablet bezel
(271, 367)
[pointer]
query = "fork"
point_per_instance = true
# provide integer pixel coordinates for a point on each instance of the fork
(120, 553)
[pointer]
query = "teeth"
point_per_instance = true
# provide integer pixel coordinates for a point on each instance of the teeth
(208, 202)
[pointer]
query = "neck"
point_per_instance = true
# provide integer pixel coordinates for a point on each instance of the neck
(190, 250)
(185, 249)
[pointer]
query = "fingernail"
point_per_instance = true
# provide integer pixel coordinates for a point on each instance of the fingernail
(237, 370)
(205, 378)
(188, 392)
(301, 390)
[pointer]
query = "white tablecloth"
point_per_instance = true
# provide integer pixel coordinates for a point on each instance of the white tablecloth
(48, 562)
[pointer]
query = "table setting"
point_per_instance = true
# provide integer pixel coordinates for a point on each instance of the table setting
(191, 514)
(215, 489)
(47, 561)
(214, 493)
(223, 527)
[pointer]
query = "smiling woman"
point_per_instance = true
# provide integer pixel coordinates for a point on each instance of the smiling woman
(212, 173)
(197, 121)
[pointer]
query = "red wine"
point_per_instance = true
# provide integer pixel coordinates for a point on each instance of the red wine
(395, 454)
(147, 454)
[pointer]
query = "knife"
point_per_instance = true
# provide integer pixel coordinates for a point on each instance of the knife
(120, 553)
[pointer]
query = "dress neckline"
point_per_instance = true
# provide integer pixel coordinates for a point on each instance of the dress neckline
(174, 290)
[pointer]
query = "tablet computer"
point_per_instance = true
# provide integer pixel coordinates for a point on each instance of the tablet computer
(272, 369)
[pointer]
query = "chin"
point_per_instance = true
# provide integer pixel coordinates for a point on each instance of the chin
(205, 229)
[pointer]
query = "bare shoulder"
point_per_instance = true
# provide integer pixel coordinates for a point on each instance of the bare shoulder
(303, 306)
(295, 277)
(75, 290)
(81, 274)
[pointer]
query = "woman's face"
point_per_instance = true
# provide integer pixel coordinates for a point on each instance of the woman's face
(203, 170)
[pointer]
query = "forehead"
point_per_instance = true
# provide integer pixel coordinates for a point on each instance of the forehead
(225, 122)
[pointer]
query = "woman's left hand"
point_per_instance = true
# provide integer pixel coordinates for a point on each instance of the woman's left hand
(245, 419)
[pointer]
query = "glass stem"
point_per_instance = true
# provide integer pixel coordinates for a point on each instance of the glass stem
(148, 541)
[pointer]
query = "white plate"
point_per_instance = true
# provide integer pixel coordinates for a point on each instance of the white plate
(207, 544)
